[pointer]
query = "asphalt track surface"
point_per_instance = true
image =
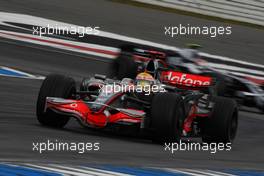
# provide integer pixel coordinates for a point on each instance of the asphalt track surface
(18, 124)
(244, 44)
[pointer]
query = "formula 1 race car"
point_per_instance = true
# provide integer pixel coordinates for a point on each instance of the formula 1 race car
(132, 60)
(165, 112)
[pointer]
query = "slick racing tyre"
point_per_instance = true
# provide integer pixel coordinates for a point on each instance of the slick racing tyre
(54, 86)
(126, 67)
(221, 126)
(167, 116)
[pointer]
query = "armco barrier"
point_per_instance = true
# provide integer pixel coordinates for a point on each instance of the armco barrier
(249, 11)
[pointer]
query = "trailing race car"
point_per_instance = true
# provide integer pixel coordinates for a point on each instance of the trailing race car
(164, 111)
(133, 60)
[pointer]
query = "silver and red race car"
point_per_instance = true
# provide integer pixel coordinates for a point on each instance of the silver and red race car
(166, 112)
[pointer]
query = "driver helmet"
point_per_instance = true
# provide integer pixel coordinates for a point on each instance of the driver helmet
(144, 79)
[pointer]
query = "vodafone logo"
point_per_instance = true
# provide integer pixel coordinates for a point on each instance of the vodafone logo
(186, 79)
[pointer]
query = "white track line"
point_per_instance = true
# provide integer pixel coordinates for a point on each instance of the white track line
(209, 173)
(220, 173)
(18, 72)
(12, 76)
(195, 172)
(184, 172)
(85, 171)
(106, 171)
(23, 74)
(59, 43)
(38, 21)
(60, 170)
(45, 40)
(31, 20)
(80, 171)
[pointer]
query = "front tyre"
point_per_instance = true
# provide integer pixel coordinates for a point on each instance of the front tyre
(167, 116)
(54, 86)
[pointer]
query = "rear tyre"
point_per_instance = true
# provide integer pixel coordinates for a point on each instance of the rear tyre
(167, 116)
(221, 126)
(54, 86)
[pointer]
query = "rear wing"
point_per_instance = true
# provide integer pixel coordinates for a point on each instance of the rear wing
(186, 80)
